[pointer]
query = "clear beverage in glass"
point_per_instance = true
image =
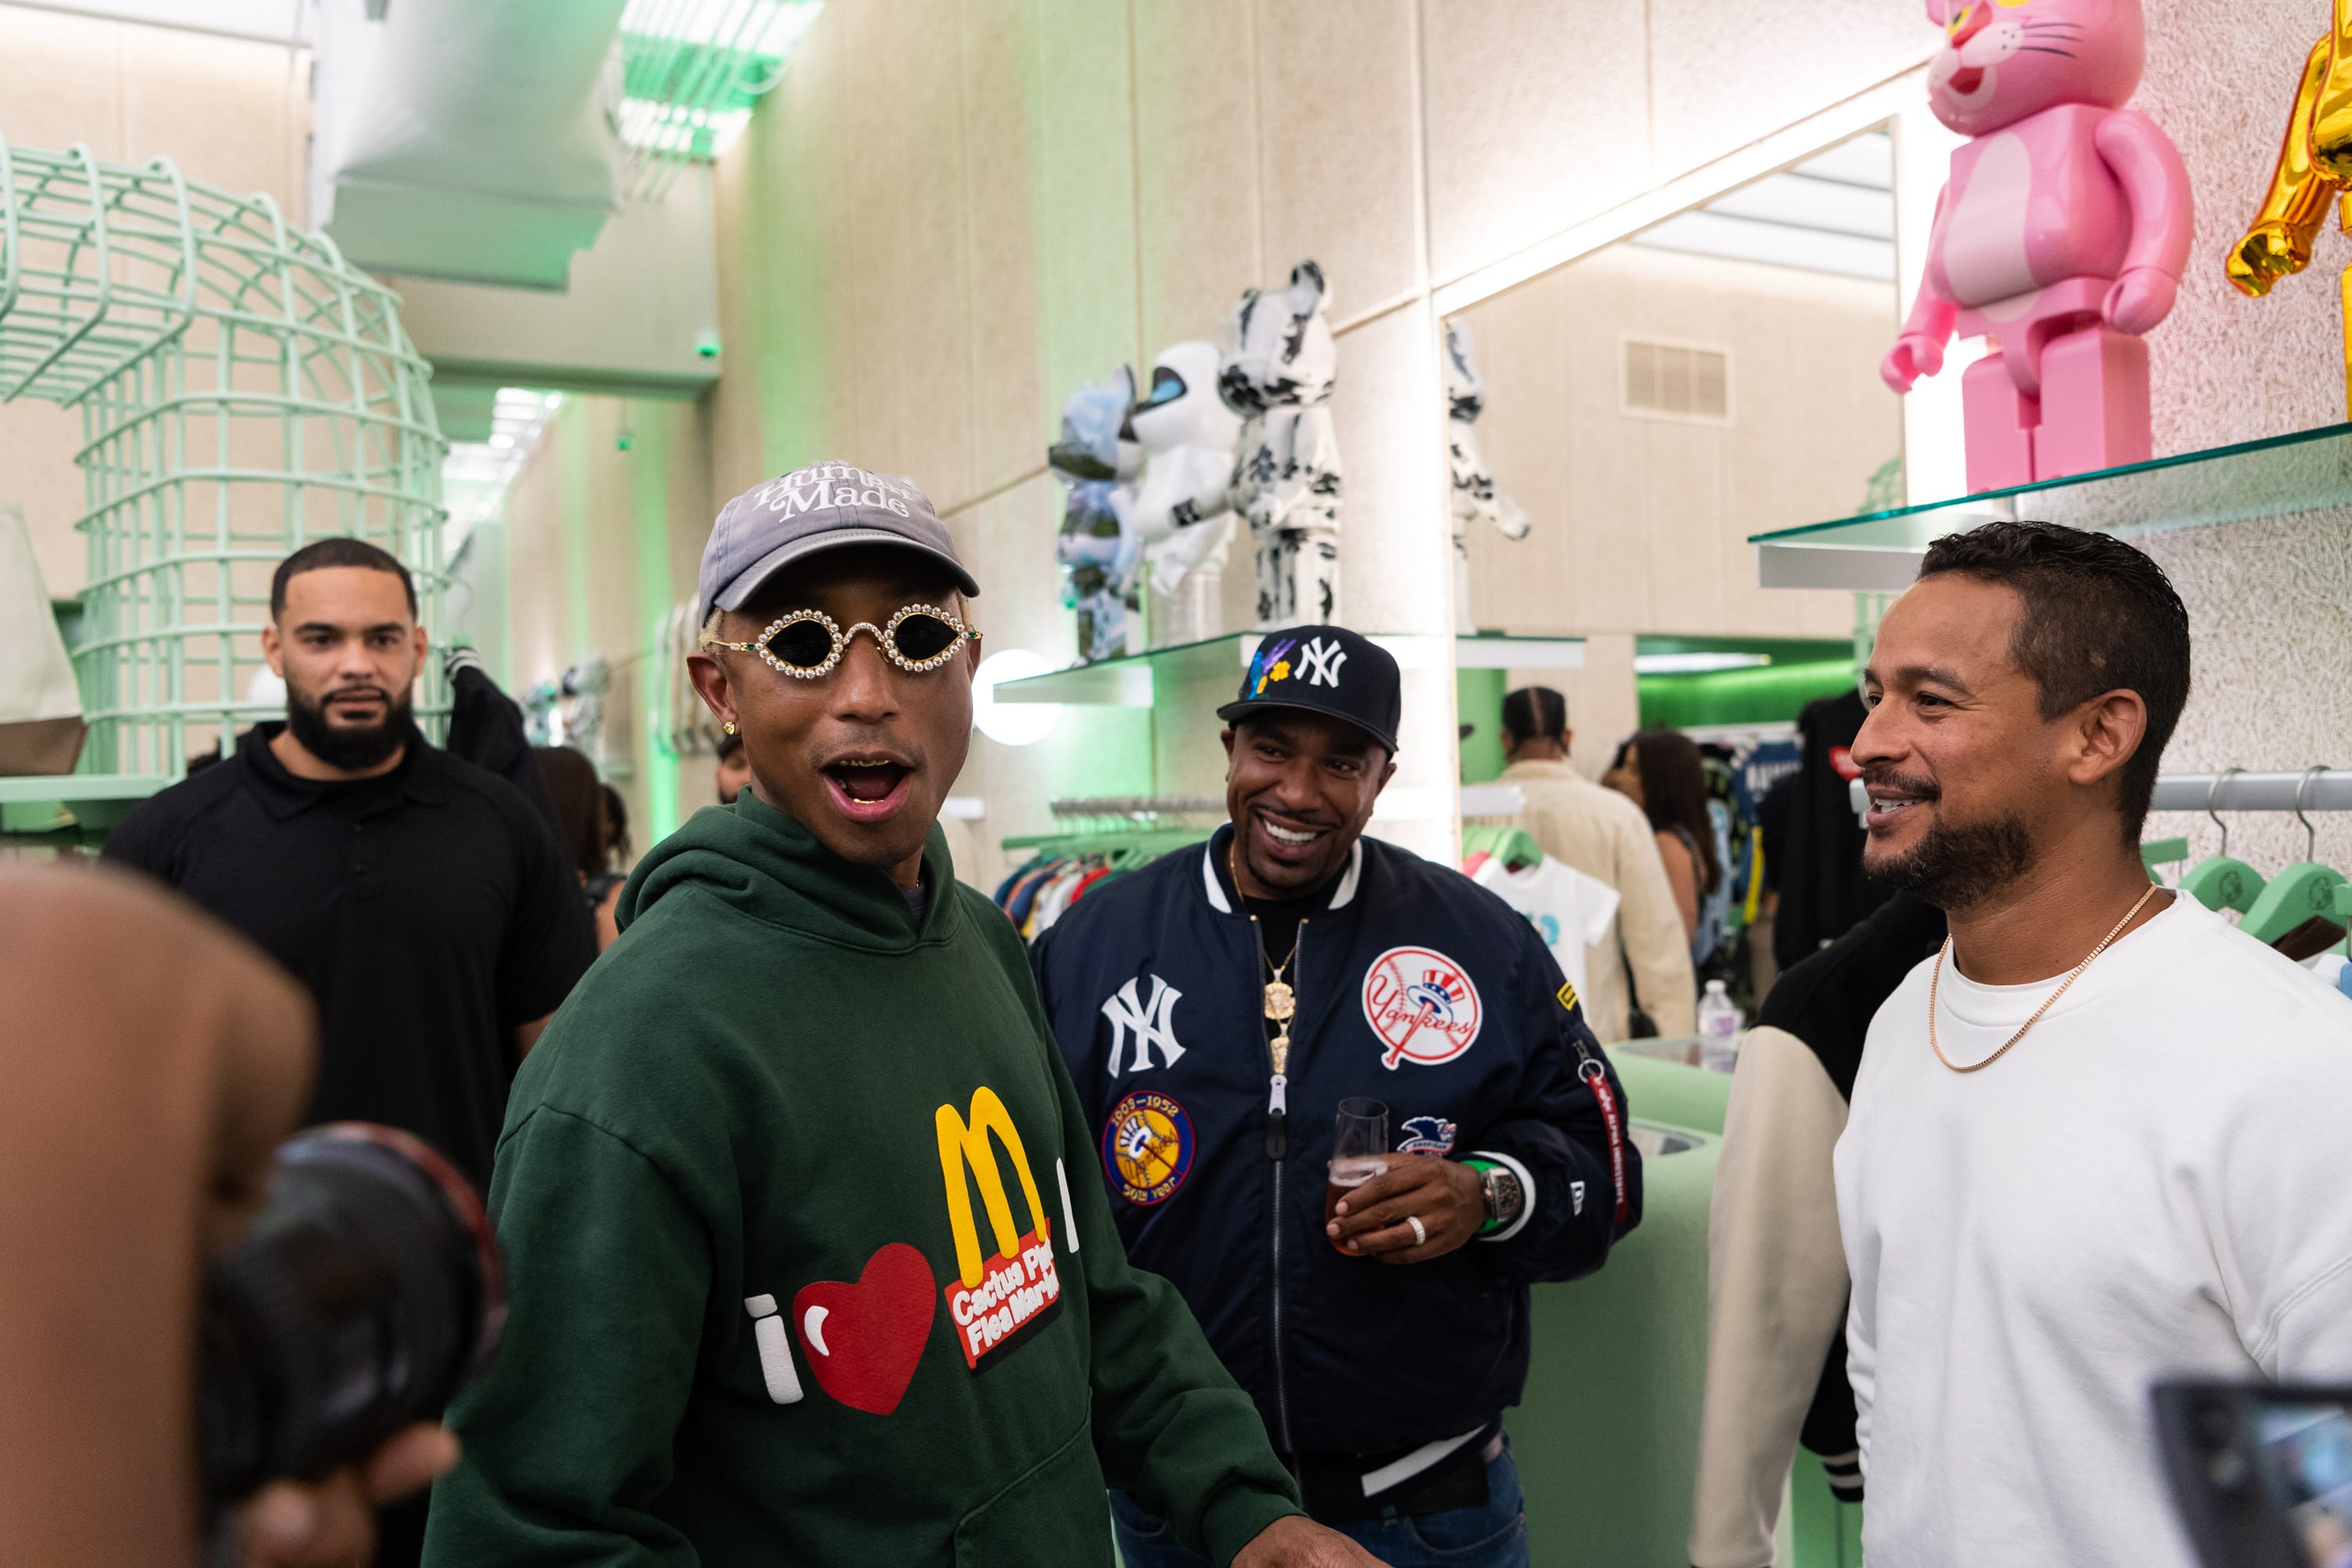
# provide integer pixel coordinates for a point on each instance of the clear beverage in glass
(1359, 1151)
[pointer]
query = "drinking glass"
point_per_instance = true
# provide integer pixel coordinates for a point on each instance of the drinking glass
(1359, 1151)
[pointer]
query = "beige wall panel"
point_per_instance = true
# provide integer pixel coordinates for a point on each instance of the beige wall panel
(1336, 118)
(908, 258)
(733, 404)
(1197, 162)
(693, 505)
(1641, 522)
(1683, 516)
(1011, 411)
(610, 547)
(1539, 116)
(1723, 75)
(1085, 173)
(534, 506)
(62, 82)
(1392, 531)
(229, 112)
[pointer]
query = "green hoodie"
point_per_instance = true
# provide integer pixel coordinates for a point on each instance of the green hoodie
(808, 1258)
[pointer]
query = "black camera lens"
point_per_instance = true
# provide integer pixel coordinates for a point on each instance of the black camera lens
(369, 1292)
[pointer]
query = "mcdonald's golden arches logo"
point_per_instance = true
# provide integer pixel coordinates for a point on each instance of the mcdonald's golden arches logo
(999, 1298)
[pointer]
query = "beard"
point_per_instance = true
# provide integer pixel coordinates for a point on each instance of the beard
(351, 748)
(1955, 866)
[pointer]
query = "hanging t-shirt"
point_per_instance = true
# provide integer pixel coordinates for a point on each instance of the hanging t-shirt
(1571, 909)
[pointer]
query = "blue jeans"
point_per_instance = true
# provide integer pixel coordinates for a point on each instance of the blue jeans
(1493, 1536)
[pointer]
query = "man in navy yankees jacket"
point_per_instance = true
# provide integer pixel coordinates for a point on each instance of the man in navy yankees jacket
(1215, 1008)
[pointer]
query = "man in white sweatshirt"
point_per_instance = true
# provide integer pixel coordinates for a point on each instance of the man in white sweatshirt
(2100, 1138)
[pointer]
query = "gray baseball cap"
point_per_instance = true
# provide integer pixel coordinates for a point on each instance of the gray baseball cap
(825, 506)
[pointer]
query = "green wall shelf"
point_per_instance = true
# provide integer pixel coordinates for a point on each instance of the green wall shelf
(1134, 680)
(1879, 551)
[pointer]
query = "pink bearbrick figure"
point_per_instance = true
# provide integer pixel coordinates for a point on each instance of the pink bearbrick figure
(2059, 237)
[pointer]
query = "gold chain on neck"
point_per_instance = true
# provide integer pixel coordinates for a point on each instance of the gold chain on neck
(1936, 979)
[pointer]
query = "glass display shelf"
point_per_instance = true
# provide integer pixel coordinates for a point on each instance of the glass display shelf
(1879, 551)
(62, 807)
(1135, 680)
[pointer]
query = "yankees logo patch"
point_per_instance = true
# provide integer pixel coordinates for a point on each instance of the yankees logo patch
(1426, 1135)
(1149, 1017)
(1147, 1147)
(1422, 1006)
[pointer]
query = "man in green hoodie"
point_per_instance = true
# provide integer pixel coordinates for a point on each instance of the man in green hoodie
(798, 1271)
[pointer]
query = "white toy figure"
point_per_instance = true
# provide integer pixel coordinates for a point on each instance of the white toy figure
(1182, 516)
(1475, 495)
(1278, 366)
(1095, 458)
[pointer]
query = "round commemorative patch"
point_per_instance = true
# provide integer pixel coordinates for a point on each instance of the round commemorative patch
(1422, 1006)
(1147, 1147)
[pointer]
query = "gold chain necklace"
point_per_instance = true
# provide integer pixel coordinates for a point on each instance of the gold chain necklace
(1936, 979)
(1281, 1001)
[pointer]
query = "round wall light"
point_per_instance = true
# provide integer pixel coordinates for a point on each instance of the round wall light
(1012, 723)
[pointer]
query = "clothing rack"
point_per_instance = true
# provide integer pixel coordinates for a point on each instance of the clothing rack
(1138, 805)
(2320, 789)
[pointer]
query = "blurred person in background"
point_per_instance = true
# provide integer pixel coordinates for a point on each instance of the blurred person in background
(421, 901)
(734, 769)
(144, 1101)
(1660, 771)
(1601, 834)
(592, 834)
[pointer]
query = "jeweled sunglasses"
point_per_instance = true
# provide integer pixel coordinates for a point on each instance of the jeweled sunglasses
(808, 644)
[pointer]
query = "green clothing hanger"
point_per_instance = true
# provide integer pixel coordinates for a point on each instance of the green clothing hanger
(1516, 847)
(2223, 882)
(2304, 891)
(2159, 852)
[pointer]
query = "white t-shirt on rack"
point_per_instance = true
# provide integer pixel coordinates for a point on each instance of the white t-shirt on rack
(2152, 1183)
(1569, 910)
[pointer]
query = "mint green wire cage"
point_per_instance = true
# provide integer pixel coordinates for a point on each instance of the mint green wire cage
(243, 391)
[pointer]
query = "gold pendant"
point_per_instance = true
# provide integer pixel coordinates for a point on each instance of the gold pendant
(1280, 1047)
(1281, 1002)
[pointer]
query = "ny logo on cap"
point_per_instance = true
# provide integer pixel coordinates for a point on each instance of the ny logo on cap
(1319, 661)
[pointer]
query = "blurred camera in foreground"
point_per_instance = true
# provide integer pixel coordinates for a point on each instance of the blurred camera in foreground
(367, 1293)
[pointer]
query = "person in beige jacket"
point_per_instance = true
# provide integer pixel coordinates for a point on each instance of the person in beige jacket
(1601, 834)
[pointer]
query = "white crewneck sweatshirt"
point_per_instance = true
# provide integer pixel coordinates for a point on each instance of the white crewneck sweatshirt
(2156, 1180)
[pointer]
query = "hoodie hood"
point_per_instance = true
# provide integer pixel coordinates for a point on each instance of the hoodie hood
(755, 859)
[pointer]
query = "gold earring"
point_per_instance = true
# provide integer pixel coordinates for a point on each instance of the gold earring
(731, 729)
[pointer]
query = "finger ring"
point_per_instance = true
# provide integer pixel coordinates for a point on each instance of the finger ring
(1419, 1231)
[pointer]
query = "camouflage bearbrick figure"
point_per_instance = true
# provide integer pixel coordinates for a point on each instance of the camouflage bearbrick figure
(1096, 459)
(1280, 362)
(1475, 496)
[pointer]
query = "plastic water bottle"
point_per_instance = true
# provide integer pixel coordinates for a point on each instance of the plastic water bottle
(1718, 1029)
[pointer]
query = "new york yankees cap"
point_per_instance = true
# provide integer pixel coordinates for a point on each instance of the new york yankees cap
(1324, 669)
(825, 506)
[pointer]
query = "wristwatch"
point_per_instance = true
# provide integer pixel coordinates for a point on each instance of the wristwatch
(1504, 1196)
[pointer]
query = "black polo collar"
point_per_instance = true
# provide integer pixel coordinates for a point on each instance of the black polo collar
(283, 795)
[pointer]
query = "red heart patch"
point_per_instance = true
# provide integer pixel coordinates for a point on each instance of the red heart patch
(863, 1341)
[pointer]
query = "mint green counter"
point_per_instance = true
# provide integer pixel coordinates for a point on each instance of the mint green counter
(1607, 1439)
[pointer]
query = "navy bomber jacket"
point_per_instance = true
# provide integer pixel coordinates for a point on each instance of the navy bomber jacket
(1415, 987)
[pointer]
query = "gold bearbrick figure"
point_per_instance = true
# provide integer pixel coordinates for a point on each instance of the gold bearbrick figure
(2315, 163)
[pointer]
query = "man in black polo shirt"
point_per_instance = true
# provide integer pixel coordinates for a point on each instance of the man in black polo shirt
(422, 899)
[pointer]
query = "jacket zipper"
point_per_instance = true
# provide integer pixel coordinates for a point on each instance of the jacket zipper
(1277, 1145)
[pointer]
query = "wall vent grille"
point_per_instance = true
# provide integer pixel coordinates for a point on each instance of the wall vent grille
(1678, 381)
